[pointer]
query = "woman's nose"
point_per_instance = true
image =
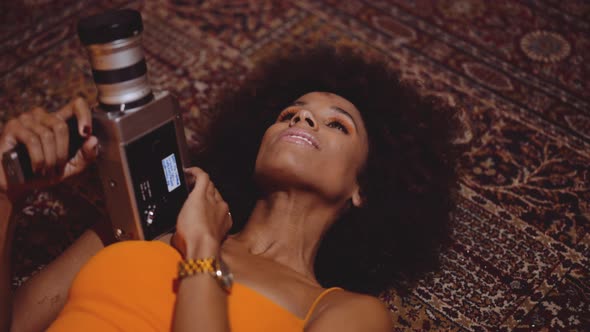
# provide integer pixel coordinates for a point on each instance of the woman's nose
(305, 117)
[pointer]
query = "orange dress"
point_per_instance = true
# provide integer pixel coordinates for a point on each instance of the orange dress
(129, 286)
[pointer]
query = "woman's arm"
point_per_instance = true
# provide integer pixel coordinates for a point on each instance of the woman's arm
(37, 303)
(6, 232)
(34, 305)
(201, 304)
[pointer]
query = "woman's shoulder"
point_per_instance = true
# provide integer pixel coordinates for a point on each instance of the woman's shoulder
(345, 299)
(349, 311)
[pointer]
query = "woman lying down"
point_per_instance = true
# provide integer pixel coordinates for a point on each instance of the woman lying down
(338, 178)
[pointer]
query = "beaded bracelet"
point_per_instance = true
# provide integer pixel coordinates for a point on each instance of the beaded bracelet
(190, 267)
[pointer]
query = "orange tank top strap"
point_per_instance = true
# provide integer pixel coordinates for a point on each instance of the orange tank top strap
(317, 301)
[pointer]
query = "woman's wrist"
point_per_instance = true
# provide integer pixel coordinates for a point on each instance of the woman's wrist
(6, 229)
(4, 196)
(6, 205)
(13, 195)
(204, 246)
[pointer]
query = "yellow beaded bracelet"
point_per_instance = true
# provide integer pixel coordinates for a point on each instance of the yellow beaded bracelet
(192, 266)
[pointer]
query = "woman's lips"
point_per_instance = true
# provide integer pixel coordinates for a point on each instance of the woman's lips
(300, 136)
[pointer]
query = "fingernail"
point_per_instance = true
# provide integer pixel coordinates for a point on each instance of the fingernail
(86, 130)
(190, 180)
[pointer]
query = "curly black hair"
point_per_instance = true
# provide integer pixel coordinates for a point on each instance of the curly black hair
(407, 183)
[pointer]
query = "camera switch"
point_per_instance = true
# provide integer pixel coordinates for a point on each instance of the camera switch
(150, 214)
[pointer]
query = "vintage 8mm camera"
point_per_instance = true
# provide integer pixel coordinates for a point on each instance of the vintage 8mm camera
(143, 147)
(141, 135)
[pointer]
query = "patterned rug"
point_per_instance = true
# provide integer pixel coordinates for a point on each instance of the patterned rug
(521, 253)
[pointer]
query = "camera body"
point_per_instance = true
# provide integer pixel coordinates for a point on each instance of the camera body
(142, 155)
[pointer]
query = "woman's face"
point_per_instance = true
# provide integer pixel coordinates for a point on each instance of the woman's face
(319, 143)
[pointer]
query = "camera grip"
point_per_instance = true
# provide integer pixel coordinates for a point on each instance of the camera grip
(24, 160)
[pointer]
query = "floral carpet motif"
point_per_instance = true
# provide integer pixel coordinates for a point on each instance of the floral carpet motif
(520, 258)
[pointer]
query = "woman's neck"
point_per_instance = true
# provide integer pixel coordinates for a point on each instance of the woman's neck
(287, 227)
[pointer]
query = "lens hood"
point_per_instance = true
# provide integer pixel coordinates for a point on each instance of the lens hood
(110, 26)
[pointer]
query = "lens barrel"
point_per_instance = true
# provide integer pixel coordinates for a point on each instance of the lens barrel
(113, 41)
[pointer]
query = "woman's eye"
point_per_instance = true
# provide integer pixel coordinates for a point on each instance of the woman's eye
(338, 125)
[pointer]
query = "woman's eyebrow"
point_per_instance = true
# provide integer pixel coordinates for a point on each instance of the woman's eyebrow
(340, 110)
(334, 108)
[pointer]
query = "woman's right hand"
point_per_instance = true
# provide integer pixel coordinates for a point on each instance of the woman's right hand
(204, 219)
(46, 138)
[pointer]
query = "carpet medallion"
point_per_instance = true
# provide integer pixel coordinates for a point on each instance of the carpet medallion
(520, 257)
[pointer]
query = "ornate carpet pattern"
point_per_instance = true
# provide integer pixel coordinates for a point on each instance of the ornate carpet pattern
(520, 257)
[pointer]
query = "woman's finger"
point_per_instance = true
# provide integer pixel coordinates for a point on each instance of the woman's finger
(201, 178)
(211, 190)
(217, 196)
(47, 144)
(46, 135)
(86, 155)
(190, 180)
(61, 135)
(81, 110)
(229, 220)
(31, 140)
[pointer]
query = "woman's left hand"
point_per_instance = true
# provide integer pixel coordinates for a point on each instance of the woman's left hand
(203, 221)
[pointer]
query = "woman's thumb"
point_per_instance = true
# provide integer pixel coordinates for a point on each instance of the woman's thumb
(89, 149)
(85, 155)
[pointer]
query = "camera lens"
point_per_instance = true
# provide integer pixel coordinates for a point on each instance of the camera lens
(113, 41)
